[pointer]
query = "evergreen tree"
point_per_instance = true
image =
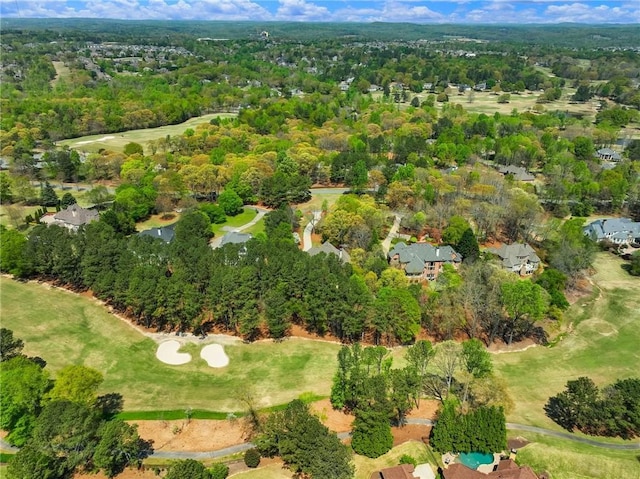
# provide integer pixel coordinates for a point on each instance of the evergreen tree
(48, 196)
(468, 245)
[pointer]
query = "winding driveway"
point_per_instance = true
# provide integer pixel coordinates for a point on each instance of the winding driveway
(386, 244)
(307, 244)
(215, 242)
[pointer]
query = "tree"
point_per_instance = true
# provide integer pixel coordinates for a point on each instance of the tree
(219, 470)
(419, 355)
(634, 269)
(48, 196)
(447, 361)
(454, 231)
(230, 202)
(525, 302)
(476, 359)
(304, 444)
(252, 458)
(371, 434)
(133, 148)
(78, 384)
(188, 469)
(6, 195)
(24, 385)
(10, 346)
(67, 200)
(118, 447)
(467, 246)
(12, 247)
(68, 431)
(30, 463)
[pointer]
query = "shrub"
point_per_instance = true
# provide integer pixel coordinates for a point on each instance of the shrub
(407, 459)
(252, 458)
(219, 471)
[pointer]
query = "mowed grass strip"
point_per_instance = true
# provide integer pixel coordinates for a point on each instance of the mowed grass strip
(65, 328)
(571, 460)
(603, 346)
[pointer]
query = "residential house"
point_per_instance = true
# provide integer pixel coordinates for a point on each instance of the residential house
(617, 230)
(235, 238)
(607, 154)
(73, 217)
(506, 469)
(517, 257)
(166, 233)
(403, 471)
(422, 261)
(328, 248)
(518, 173)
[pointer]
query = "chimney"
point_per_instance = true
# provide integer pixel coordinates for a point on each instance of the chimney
(437, 251)
(159, 232)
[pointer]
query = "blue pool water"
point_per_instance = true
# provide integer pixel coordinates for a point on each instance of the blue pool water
(474, 459)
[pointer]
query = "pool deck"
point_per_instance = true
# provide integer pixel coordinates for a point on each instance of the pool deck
(450, 458)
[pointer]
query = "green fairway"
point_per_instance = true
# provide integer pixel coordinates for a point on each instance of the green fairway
(602, 344)
(117, 141)
(572, 460)
(65, 328)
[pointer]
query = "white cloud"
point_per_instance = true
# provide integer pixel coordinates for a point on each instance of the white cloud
(300, 10)
(414, 11)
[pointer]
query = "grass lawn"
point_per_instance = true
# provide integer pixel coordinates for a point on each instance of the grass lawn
(65, 328)
(234, 221)
(255, 229)
(571, 460)
(602, 344)
(156, 221)
(19, 210)
(416, 449)
(117, 141)
(272, 471)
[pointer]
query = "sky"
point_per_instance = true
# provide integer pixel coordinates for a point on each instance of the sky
(412, 11)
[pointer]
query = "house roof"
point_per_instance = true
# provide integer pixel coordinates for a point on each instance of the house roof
(235, 238)
(600, 229)
(75, 215)
(519, 173)
(609, 152)
(328, 248)
(507, 469)
(415, 256)
(403, 471)
(166, 233)
(515, 254)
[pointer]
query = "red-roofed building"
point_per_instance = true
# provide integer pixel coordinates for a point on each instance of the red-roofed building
(404, 471)
(507, 469)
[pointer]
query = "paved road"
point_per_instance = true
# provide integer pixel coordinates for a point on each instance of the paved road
(307, 244)
(386, 244)
(227, 451)
(572, 437)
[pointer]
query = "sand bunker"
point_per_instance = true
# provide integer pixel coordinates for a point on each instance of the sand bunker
(215, 356)
(168, 353)
(86, 142)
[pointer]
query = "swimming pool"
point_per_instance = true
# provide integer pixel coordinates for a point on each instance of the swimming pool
(474, 459)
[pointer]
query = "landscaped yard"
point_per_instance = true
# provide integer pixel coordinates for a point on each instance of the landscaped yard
(65, 328)
(603, 344)
(234, 221)
(571, 460)
(418, 450)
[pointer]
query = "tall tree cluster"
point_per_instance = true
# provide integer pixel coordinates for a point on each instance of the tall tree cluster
(613, 410)
(61, 425)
